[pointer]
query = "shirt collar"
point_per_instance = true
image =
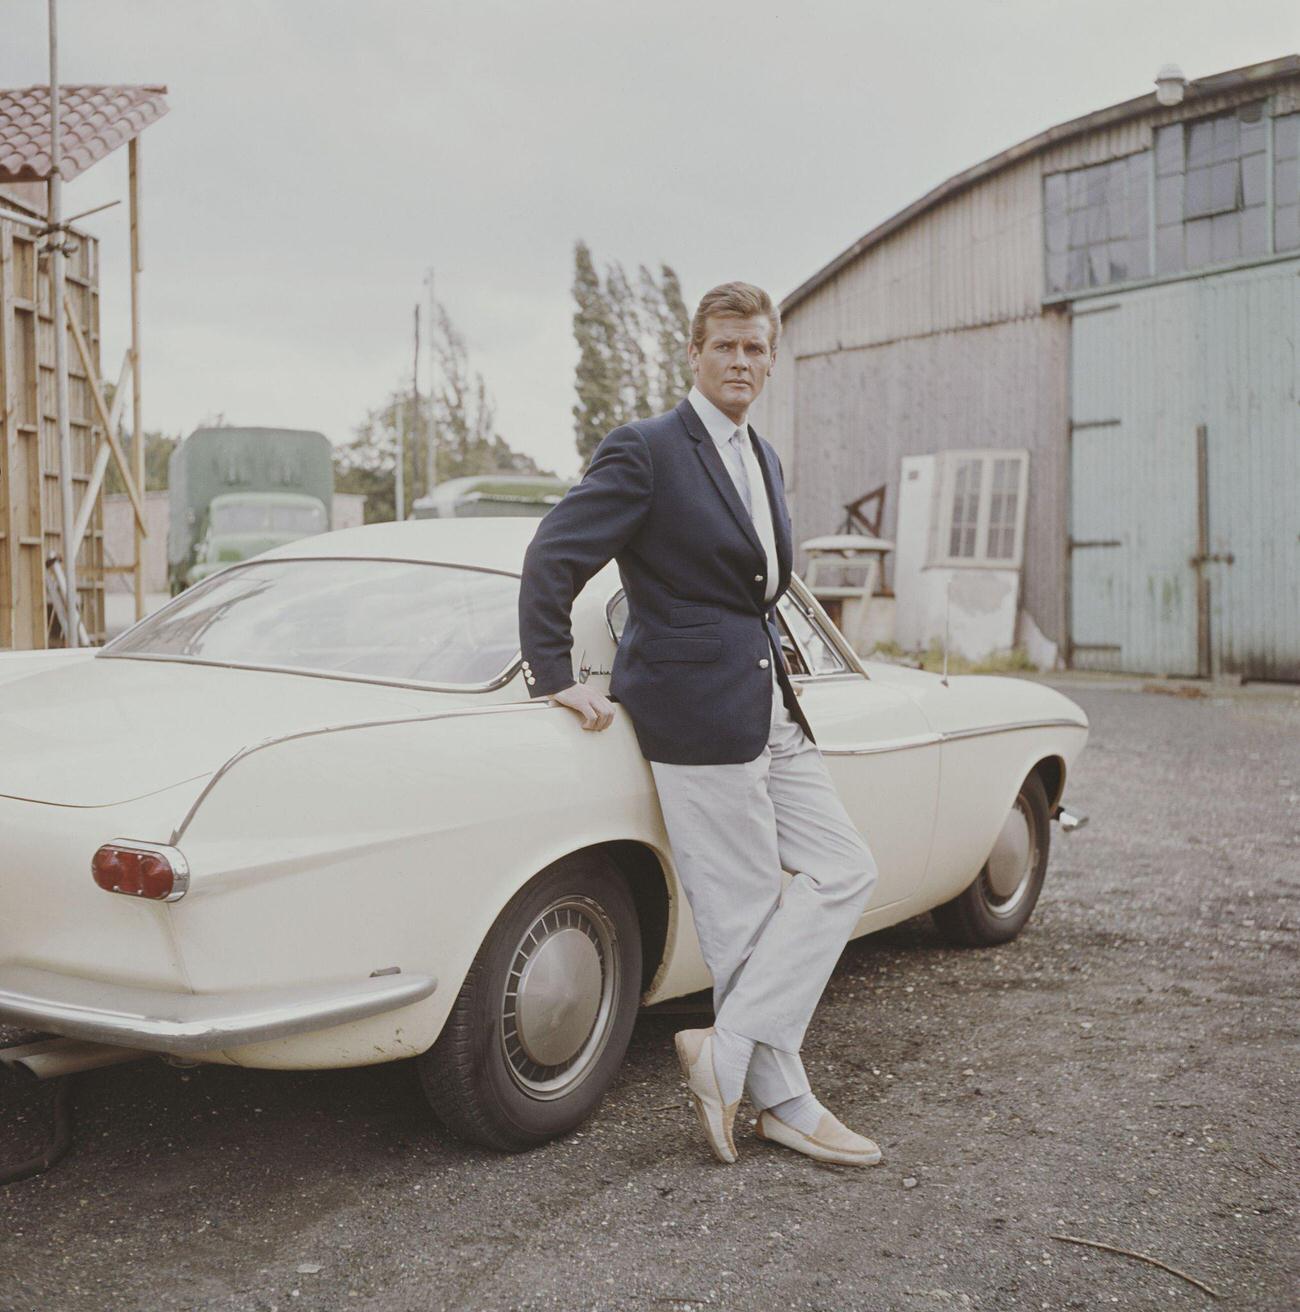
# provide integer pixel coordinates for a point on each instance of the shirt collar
(720, 428)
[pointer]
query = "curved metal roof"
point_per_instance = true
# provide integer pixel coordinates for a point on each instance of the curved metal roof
(1252, 75)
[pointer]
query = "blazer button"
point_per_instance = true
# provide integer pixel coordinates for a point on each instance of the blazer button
(758, 578)
(763, 664)
(532, 678)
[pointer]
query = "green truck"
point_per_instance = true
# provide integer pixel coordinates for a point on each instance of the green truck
(236, 492)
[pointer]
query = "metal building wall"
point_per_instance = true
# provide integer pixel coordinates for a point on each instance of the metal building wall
(1184, 410)
(860, 412)
(971, 261)
(1250, 376)
(1133, 483)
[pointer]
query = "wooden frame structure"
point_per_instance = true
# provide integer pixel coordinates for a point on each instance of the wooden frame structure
(33, 543)
(30, 509)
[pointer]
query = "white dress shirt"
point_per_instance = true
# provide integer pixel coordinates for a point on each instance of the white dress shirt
(720, 429)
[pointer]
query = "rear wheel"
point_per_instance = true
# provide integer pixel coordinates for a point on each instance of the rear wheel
(545, 1014)
(997, 904)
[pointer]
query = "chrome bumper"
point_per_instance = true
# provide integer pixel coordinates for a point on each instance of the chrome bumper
(158, 1020)
(1068, 820)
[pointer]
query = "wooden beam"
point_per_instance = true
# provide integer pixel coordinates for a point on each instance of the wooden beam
(102, 452)
(137, 428)
(123, 375)
(98, 397)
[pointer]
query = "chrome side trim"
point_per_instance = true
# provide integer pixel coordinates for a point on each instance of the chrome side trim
(887, 745)
(496, 708)
(816, 680)
(499, 681)
(951, 735)
(162, 1021)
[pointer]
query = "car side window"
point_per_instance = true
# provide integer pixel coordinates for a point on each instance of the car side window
(807, 650)
(616, 614)
(819, 655)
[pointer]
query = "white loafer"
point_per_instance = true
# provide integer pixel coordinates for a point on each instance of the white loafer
(831, 1141)
(695, 1052)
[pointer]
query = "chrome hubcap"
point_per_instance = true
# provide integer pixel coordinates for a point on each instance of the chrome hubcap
(559, 997)
(1007, 873)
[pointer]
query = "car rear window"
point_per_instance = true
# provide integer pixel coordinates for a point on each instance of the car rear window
(400, 620)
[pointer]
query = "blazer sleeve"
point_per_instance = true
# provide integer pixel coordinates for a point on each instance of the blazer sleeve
(592, 523)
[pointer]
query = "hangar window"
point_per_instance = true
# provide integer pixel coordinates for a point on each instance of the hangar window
(1096, 224)
(981, 505)
(1212, 189)
(1286, 182)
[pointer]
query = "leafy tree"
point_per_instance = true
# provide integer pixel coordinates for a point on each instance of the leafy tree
(596, 379)
(631, 346)
(158, 448)
(673, 332)
(468, 441)
(630, 356)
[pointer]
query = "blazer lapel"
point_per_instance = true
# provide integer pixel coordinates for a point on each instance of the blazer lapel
(712, 461)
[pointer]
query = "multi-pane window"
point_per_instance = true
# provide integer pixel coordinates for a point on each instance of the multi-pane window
(1211, 204)
(981, 508)
(1212, 189)
(1286, 182)
(965, 507)
(1003, 508)
(1096, 224)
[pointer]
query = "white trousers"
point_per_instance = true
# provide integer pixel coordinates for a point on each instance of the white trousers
(733, 829)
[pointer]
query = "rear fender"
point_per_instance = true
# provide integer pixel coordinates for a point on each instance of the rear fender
(335, 854)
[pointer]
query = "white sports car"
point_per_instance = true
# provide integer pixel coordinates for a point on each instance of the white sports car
(306, 816)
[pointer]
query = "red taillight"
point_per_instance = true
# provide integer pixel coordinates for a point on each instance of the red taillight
(154, 871)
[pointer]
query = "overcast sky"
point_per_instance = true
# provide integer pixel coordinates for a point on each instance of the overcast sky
(319, 156)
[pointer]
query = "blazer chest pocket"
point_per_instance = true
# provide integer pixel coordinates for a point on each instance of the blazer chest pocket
(682, 649)
(681, 617)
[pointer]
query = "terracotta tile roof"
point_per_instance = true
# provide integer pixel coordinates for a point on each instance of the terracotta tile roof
(93, 122)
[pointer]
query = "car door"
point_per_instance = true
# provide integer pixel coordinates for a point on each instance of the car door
(879, 747)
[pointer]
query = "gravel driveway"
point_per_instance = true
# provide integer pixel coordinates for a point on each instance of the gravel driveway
(1124, 1073)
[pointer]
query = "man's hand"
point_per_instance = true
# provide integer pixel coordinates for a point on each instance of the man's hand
(597, 712)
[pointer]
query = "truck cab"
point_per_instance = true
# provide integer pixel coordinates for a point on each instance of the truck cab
(245, 524)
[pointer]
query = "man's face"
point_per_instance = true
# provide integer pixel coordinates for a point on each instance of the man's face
(734, 362)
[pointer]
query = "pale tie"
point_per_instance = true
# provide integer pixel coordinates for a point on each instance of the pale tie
(739, 474)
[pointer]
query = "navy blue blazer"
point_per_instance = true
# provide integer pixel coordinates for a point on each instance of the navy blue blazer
(693, 665)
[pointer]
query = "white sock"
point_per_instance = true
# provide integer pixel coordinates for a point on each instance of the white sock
(803, 1113)
(731, 1054)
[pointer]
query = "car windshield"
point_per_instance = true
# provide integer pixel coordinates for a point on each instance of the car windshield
(267, 517)
(381, 619)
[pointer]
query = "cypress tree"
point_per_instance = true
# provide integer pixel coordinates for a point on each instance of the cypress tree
(597, 376)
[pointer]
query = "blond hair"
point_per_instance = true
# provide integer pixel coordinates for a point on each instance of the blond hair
(741, 300)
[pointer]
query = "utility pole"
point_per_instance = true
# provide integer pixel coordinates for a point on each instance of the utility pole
(399, 484)
(415, 383)
(433, 383)
(58, 281)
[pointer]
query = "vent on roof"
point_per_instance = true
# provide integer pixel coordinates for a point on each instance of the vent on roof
(1170, 85)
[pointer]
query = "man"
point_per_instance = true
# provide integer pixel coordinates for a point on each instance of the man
(692, 506)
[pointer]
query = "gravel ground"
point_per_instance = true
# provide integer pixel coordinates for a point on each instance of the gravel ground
(1123, 1073)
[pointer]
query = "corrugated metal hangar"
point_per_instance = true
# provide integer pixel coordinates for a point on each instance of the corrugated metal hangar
(1094, 337)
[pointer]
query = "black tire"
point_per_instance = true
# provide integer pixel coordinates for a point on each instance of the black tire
(480, 1077)
(979, 916)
